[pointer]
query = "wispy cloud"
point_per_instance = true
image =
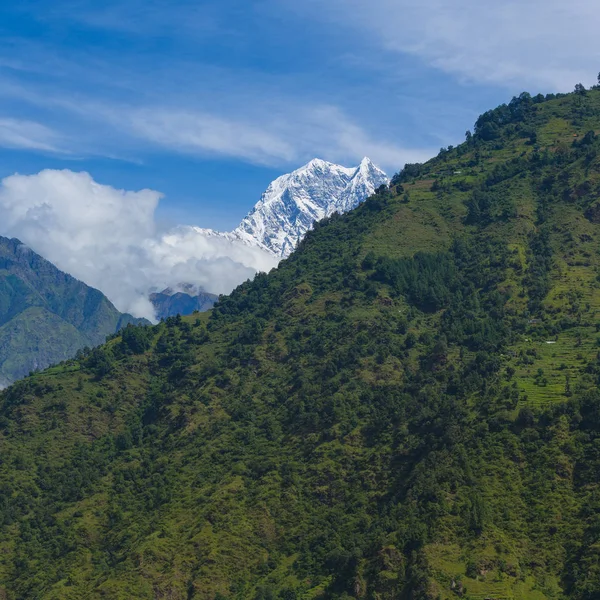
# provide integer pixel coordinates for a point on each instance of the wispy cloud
(191, 102)
(275, 131)
(285, 136)
(141, 17)
(205, 133)
(185, 102)
(547, 43)
(28, 135)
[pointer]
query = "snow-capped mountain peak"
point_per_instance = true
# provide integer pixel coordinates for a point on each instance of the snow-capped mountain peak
(271, 230)
(293, 202)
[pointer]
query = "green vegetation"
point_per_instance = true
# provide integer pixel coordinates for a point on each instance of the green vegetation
(46, 315)
(407, 408)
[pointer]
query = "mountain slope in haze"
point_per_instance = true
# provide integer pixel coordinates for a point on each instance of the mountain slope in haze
(407, 408)
(186, 301)
(45, 314)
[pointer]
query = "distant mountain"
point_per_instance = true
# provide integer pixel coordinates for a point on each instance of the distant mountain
(183, 301)
(294, 202)
(286, 211)
(45, 314)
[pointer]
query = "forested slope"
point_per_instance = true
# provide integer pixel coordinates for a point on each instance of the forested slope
(46, 315)
(408, 407)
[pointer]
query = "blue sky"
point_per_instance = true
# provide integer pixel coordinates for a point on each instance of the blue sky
(207, 102)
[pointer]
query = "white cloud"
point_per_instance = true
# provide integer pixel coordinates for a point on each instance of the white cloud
(193, 132)
(276, 135)
(329, 132)
(139, 101)
(108, 239)
(277, 132)
(29, 135)
(548, 43)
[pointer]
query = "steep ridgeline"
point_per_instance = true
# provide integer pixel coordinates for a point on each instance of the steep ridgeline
(294, 202)
(407, 408)
(185, 301)
(45, 314)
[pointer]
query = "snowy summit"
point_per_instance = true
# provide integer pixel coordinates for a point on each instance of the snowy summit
(293, 202)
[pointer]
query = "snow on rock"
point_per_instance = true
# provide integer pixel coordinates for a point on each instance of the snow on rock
(293, 202)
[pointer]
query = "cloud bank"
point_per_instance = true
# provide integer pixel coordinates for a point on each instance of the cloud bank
(109, 239)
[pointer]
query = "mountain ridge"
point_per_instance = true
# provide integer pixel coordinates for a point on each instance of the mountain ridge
(46, 315)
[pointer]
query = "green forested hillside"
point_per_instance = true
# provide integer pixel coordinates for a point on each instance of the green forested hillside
(45, 314)
(407, 408)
